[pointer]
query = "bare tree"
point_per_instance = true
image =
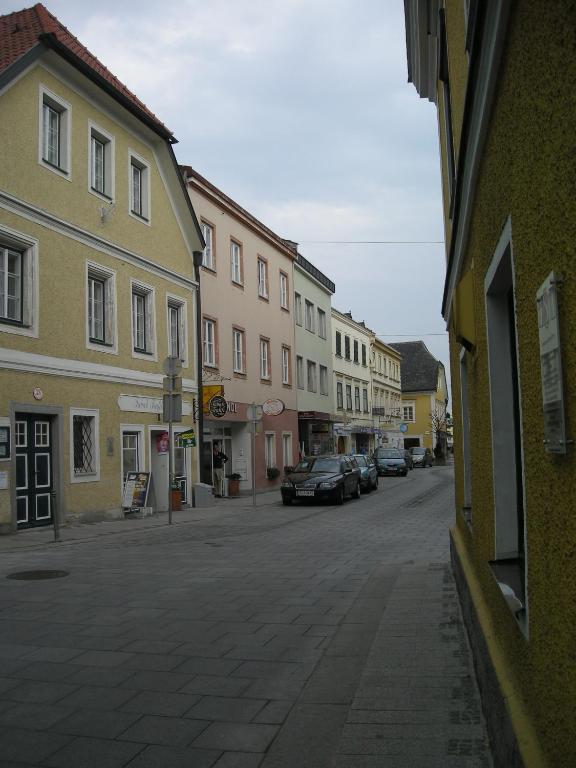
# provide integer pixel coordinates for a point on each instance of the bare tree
(439, 420)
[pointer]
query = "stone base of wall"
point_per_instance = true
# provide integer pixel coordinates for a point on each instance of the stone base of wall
(503, 741)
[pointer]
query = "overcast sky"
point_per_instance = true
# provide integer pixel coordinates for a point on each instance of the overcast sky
(300, 111)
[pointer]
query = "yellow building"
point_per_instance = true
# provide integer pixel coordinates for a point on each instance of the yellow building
(424, 395)
(97, 236)
(502, 77)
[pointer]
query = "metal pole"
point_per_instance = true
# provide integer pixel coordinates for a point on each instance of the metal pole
(170, 462)
(254, 422)
(55, 516)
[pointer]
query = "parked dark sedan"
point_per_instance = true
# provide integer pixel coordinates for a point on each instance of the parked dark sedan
(326, 478)
(368, 472)
(422, 457)
(390, 461)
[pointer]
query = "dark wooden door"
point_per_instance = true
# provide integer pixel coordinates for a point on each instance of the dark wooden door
(34, 475)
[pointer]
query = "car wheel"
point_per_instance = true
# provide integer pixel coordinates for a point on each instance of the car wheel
(404, 473)
(356, 492)
(368, 487)
(339, 498)
(287, 502)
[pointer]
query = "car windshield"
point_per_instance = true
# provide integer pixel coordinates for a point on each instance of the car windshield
(418, 451)
(390, 453)
(321, 464)
(361, 461)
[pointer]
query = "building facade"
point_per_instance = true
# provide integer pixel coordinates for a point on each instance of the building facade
(386, 394)
(90, 195)
(247, 291)
(501, 76)
(314, 376)
(352, 340)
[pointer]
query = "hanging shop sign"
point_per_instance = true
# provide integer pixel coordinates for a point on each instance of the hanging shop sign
(208, 392)
(551, 366)
(273, 407)
(218, 406)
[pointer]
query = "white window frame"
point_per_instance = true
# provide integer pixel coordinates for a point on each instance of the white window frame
(357, 400)
(95, 132)
(309, 315)
(286, 365)
(177, 302)
(142, 463)
(322, 328)
(236, 262)
(108, 277)
(311, 380)
(409, 412)
(94, 476)
(238, 361)
(349, 400)
(286, 449)
(340, 391)
(297, 308)
(148, 294)
(207, 344)
(134, 159)
(64, 109)
(365, 401)
(208, 252)
(265, 359)
(270, 449)
(262, 278)
(323, 372)
(27, 246)
(299, 372)
(283, 290)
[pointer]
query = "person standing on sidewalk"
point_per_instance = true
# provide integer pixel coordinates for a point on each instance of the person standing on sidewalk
(218, 461)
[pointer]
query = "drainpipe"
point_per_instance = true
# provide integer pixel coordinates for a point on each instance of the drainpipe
(200, 441)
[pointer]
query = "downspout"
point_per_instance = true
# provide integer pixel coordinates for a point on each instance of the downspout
(201, 471)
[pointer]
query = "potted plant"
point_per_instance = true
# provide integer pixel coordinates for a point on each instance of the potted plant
(272, 473)
(176, 496)
(234, 484)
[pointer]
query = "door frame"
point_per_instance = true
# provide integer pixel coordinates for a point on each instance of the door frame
(56, 414)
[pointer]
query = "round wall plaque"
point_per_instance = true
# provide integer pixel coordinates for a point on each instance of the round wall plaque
(273, 407)
(218, 406)
(37, 393)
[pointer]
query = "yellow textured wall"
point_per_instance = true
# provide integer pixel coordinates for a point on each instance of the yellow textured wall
(527, 173)
(23, 176)
(421, 424)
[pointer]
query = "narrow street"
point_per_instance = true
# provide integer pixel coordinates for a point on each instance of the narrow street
(281, 637)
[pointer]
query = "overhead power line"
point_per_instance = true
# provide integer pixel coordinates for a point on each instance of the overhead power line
(371, 242)
(389, 333)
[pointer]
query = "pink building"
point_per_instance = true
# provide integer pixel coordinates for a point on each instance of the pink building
(247, 334)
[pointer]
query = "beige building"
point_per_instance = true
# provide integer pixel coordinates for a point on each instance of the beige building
(386, 394)
(247, 285)
(90, 195)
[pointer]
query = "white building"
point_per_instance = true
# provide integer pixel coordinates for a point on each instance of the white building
(352, 341)
(315, 392)
(386, 394)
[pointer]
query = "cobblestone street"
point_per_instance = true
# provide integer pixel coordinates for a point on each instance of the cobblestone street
(275, 637)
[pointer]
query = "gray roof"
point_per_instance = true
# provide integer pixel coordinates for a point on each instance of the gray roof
(419, 368)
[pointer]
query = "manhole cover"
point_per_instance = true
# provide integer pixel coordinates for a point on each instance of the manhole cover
(36, 575)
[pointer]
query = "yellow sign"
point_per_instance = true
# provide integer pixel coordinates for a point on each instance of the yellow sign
(208, 392)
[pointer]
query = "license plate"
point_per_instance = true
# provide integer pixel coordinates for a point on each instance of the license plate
(304, 493)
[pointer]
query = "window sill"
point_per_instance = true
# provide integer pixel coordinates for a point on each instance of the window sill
(139, 217)
(65, 174)
(239, 374)
(209, 270)
(264, 298)
(285, 309)
(286, 385)
(509, 576)
(236, 284)
(268, 382)
(101, 195)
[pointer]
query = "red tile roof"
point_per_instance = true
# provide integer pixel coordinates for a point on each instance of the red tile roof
(22, 30)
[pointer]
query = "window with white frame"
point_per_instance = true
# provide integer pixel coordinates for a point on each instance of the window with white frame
(321, 323)
(339, 395)
(309, 316)
(236, 262)
(408, 413)
(357, 398)
(55, 124)
(262, 278)
(11, 285)
(338, 344)
(18, 285)
(348, 397)
(177, 329)
(131, 452)
(286, 365)
(139, 188)
(209, 342)
(311, 377)
(323, 380)
(286, 449)
(238, 346)
(101, 162)
(364, 355)
(101, 308)
(208, 259)
(355, 351)
(298, 309)
(347, 347)
(299, 372)
(84, 445)
(264, 359)
(365, 400)
(270, 449)
(142, 319)
(283, 290)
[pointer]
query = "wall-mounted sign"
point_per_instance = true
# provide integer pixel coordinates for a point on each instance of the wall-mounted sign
(551, 366)
(187, 439)
(208, 392)
(218, 406)
(162, 442)
(37, 393)
(273, 407)
(139, 404)
(254, 412)
(403, 427)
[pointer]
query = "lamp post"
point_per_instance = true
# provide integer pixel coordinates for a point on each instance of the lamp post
(197, 264)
